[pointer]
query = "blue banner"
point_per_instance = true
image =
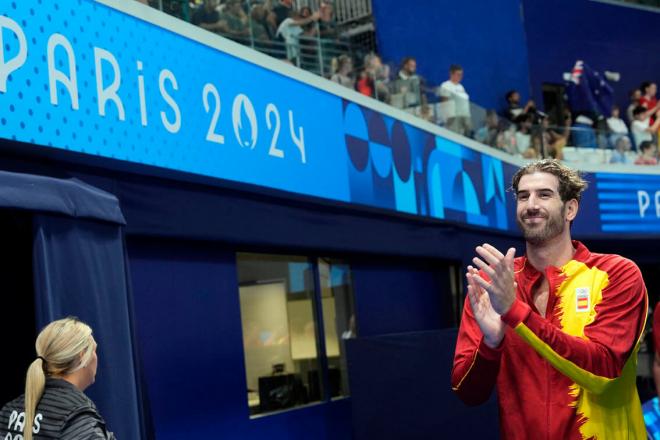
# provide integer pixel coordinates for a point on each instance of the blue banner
(628, 203)
(91, 79)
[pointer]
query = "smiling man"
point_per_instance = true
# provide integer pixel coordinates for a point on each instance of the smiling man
(556, 330)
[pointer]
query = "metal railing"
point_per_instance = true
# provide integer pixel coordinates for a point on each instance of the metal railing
(346, 11)
(307, 51)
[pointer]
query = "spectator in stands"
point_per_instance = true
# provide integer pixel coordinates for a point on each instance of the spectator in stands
(616, 126)
(208, 17)
(343, 75)
(635, 96)
(282, 11)
(621, 148)
(365, 84)
(290, 30)
(514, 109)
(648, 99)
(554, 141)
(535, 148)
(235, 19)
(261, 26)
(642, 129)
(648, 153)
(488, 133)
(506, 139)
(374, 79)
(327, 22)
(408, 69)
(407, 87)
(523, 134)
(584, 135)
(455, 102)
(308, 42)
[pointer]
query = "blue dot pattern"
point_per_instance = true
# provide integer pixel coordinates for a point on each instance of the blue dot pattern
(29, 116)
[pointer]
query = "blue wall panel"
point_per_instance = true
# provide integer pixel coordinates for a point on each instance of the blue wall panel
(396, 298)
(401, 390)
(487, 38)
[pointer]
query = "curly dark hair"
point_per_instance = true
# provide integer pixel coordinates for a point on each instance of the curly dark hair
(571, 183)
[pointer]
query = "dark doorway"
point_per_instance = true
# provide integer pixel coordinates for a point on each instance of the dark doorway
(17, 326)
(554, 102)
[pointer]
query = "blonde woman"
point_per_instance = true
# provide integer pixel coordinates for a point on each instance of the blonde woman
(54, 402)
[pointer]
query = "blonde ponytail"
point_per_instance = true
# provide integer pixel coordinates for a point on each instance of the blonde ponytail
(63, 347)
(35, 381)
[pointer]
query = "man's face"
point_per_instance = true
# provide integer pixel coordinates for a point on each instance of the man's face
(411, 66)
(514, 98)
(456, 76)
(652, 90)
(540, 212)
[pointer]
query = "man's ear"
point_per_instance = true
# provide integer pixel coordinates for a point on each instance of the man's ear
(572, 207)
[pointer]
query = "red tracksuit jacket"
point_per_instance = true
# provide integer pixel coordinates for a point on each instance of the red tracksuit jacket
(570, 374)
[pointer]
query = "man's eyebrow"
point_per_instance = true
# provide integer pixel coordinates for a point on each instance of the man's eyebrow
(525, 191)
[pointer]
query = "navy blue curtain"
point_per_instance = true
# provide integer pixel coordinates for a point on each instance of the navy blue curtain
(80, 270)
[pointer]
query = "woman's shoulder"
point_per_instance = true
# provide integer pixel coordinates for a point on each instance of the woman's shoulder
(64, 397)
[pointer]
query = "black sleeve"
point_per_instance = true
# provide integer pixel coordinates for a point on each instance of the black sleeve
(86, 426)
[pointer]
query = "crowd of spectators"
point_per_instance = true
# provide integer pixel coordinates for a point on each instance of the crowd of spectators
(278, 27)
(530, 133)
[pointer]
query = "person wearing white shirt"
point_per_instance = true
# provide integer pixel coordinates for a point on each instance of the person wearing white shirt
(455, 102)
(615, 123)
(641, 127)
(616, 127)
(290, 30)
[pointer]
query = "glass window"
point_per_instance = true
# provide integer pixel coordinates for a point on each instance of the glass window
(279, 330)
(339, 321)
(280, 302)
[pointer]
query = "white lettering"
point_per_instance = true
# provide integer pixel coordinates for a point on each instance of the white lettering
(172, 127)
(143, 101)
(7, 67)
(20, 422)
(243, 103)
(211, 135)
(657, 204)
(644, 201)
(299, 140)
(54, 75)
(110, 92)
(272, 110)
(37, 423)
(12, 418)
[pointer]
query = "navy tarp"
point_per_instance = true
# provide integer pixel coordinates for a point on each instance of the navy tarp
(70, 197)
(80, 269)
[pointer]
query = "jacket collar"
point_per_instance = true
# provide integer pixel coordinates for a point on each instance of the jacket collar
(530, 272)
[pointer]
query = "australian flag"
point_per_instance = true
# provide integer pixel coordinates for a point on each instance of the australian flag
(589, 91)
